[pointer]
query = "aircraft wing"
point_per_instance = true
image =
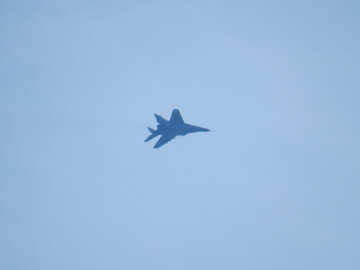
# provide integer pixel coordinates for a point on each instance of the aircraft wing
(176, 117)
(163, 140)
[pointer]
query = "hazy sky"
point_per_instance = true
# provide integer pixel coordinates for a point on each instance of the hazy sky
(275, 185)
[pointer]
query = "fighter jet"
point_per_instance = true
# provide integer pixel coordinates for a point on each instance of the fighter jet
(169, 129)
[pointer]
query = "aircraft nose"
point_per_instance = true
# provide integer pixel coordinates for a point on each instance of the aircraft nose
(204, 129)
(198, 129)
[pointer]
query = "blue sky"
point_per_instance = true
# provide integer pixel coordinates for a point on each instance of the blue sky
(275, 185)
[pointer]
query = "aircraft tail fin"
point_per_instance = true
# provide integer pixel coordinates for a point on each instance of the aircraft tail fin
(151, 130)
(160, 119)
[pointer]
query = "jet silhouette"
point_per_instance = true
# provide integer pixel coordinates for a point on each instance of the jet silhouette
(169, 129)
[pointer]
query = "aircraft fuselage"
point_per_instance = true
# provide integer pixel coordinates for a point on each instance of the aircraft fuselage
(169, 129)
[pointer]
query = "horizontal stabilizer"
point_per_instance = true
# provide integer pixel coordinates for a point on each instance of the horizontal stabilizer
(153, 134)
